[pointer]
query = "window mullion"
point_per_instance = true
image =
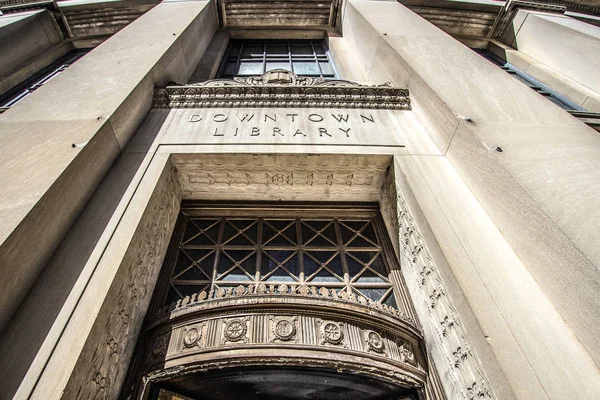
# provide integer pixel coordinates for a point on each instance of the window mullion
(312, 46)
(218, 253)
(300, 248)
(338, 234)
(237, 62)
(259, 250)
(264, 57)
(289, 47)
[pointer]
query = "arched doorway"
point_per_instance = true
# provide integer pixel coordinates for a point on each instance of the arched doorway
(279, 301)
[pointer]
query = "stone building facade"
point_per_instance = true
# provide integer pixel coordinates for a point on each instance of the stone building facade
(303, 199)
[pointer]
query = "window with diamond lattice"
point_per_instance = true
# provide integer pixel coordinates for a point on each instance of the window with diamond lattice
(337, 253)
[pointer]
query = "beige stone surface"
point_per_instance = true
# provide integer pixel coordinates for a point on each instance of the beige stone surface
(505, 297)
(46, 309)
(544, 184)
(564, 44)
(24, 36)
(574, 91)
(256, 129)
(58, 116)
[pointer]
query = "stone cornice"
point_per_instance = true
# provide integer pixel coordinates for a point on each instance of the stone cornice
(291, 296)
(508, 13)
(280, 88)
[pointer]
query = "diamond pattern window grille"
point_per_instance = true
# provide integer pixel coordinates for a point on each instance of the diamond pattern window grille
(337, 253)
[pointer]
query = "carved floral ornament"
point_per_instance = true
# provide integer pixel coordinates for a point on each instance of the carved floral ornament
(205, 299)
(315, 329)
(462, 368)
(281, 88)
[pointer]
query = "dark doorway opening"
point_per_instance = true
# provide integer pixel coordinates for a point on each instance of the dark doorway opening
(270, 383)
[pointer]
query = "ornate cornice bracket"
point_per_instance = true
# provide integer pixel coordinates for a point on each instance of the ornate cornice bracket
(281, 88)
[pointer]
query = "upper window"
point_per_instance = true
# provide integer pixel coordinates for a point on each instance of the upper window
(28, 86)
(255, 57)
(530, 81)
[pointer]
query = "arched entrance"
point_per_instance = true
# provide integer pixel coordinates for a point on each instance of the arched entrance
(276, 301)
(279, 383)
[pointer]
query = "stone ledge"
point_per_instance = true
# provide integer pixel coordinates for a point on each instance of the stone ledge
(281, 88)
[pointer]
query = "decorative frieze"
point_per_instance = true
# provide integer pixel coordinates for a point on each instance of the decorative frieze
(207, 300)
(285, 324)
(360, 176)
(422, 275)
(290, 332)
(284, 89)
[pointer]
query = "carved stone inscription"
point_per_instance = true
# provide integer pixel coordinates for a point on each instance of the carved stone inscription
(280, 124)
(287, 126)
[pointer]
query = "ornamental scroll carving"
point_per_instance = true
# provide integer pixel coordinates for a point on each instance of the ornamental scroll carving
(102, 365)
(422, 275)
(281, 88)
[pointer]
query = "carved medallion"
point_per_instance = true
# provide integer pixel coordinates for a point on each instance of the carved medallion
(191, 338)
(160, 346)
(332, 333)
(235, 330)
(285, 329)
(406, 353)
(374, 341)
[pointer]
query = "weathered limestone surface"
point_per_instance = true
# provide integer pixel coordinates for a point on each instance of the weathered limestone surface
(28, 42)
(539, 195)
(72, 142)
(569, 46)
(571, 89)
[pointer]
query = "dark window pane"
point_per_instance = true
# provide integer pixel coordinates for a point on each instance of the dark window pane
(369, 276)
(278, 65)
(224, 265)
(229, 68)
(253, 51)
(301, 49)
(250, 68)
(323, 276)
(319, 49)
(354, 267)
(373, 294)
(391, 301)
(306, 68)
(326, 69)
(369, 233)
(293, 266)
(201, 232)
(277, 49)
(310, 266)
(365, 257)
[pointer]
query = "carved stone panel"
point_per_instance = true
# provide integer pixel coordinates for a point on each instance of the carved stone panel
(297, 326)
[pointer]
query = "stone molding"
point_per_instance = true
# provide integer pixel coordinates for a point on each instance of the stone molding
(265, 294)
(345, 178)
(509, 11)
(461, 366)
(281, 88)
(102, 365)
(283, 325)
